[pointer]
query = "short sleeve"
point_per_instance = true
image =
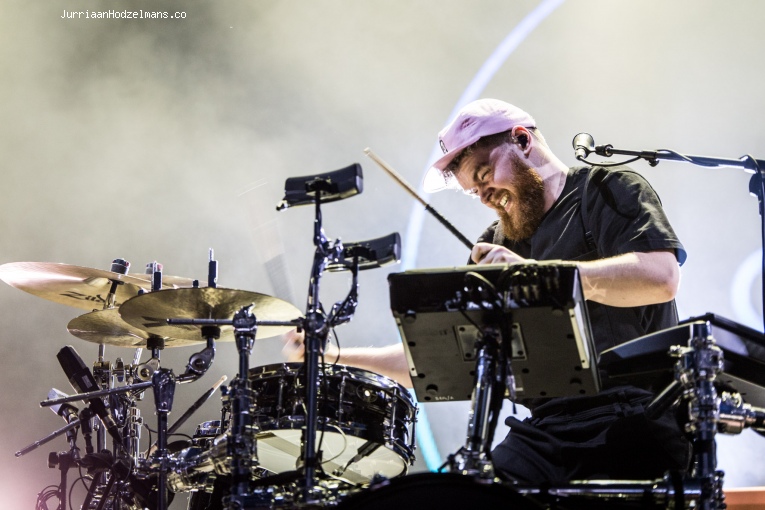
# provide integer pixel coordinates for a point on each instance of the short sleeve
(626, 215)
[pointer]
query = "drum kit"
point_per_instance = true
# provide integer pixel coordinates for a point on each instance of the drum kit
(316, 434)
(289, 435)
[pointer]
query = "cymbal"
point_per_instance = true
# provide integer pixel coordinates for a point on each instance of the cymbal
(149, 312)
(107, 327)
(79, 287)
(168, 281)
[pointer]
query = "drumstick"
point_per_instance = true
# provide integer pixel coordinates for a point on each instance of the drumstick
(196, 405)
(399, 179)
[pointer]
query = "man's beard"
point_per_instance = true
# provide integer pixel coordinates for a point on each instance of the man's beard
(528, 203)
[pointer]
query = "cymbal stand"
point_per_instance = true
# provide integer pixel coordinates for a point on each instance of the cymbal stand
(315, 189)
(242, 449)
(241, 446)
(317, 326)
(163, 383)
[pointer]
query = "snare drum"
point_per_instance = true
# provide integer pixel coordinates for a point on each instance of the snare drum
(366, 421)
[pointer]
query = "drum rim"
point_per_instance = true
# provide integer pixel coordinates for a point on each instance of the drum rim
(335, 369)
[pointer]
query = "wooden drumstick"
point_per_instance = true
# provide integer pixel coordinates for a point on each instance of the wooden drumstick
(399, 179)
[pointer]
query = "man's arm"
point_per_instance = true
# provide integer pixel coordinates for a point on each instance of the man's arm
(389, 360)
(631, 279)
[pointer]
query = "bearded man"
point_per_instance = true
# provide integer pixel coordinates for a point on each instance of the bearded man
(610, 223)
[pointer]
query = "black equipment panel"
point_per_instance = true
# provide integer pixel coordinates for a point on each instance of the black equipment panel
(647, 358)
(539, 306)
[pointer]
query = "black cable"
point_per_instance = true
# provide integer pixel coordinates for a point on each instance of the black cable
(44, 495)
(149, 429)
(337, 343)
(82, 479)
(687, 159)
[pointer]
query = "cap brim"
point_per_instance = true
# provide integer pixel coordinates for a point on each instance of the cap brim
(434, 180)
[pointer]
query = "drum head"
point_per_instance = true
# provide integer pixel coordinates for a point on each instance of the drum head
(365, 421)
(447, 491)
(278, 451)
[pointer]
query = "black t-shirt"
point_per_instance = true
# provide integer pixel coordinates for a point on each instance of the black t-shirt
(622, 214)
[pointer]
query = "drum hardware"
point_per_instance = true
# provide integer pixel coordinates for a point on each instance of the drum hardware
(69, 427)
(315, 189)
(671, 491)
(700, 367)
(486, 332)
(473, 458)
(697, 367)
(240, 448)
(163, 383)
(196, 405)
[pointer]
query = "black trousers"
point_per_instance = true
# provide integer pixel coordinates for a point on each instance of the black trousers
(605, 436)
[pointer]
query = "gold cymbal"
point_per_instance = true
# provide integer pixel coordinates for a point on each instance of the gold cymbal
(79, 287)
(107, 327)
(168, 281)
(149, 312)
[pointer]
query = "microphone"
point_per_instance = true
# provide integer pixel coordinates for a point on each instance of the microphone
(583, 144)
(82, 380)
(67, 411)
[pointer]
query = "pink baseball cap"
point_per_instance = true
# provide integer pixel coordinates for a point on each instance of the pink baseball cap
(475, 120)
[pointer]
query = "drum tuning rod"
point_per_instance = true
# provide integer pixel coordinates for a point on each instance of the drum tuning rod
(399, 179)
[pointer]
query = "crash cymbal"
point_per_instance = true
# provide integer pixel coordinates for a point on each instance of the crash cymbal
(168, 281)
(149, 312)
(107, 327)
(79, 287)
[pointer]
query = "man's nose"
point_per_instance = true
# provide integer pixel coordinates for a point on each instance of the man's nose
(485, 192)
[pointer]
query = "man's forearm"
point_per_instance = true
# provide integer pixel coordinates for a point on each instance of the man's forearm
(389, 361)
(632, 279)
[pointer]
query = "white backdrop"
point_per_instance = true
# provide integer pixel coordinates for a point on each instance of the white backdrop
(158, 139)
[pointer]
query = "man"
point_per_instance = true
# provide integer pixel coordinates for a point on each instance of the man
(611, 224)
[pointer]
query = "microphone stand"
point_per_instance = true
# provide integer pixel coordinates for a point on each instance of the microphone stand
(748, 163)
(53, 435)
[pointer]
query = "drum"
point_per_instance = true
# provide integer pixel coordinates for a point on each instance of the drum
(194, 466)
(366, 421)
(442, 491)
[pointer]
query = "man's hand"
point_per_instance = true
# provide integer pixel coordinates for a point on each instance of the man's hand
(294, 347)
(486, 253)
(293, 350)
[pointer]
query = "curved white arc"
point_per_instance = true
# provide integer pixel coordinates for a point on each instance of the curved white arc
(414, 229)
(741, 291)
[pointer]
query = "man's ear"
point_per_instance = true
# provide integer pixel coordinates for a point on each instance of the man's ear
(523, 136)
